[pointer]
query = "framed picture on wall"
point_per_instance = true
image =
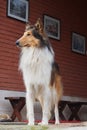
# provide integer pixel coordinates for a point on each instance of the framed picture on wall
(18, 9)
(78, 43)
(52, 27)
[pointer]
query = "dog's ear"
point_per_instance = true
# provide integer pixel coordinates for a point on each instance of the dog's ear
(28, 24)
(40, 28)
(39, 25)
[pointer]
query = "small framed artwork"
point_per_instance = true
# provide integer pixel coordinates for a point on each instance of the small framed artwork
(18, 9)
(52, 27)
(78, 43)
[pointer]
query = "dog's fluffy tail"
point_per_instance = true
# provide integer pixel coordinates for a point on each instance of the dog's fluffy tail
(57, 80)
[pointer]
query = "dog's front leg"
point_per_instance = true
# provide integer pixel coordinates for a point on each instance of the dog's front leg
(46, 110)
(30, 108)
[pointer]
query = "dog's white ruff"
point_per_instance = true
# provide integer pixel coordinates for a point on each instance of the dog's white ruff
(36, 65)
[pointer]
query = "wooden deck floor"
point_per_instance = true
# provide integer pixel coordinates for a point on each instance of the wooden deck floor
(62, 126)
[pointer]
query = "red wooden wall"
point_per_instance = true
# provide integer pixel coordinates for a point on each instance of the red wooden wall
(73, 66)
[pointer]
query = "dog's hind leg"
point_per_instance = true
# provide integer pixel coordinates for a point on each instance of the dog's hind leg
(56, 112)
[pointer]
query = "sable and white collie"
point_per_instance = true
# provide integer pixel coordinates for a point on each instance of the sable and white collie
(40, 72)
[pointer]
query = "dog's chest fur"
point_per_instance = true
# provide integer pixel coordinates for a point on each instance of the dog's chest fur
(36, 65)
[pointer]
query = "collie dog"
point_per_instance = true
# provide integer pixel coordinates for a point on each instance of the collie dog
(40, 72)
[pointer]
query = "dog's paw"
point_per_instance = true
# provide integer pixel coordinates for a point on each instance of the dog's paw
(57, 122)
(43, 123)
(31, 123)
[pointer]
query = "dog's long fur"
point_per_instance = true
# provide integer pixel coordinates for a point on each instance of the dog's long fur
(40, 72)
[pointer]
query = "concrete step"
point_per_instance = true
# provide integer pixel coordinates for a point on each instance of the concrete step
(24, 126)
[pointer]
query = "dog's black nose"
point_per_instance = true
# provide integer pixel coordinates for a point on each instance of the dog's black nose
(17, 43)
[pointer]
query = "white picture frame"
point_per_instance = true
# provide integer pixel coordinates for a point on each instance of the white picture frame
(78, 43)
(18, 9)
(52, 27)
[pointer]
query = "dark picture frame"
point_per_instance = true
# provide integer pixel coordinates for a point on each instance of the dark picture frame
(78, 43)
(18, 9)
(52, 27)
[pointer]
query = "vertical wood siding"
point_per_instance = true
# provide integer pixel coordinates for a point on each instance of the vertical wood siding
(73, 66)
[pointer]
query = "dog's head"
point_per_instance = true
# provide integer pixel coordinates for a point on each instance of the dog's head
(34, 35)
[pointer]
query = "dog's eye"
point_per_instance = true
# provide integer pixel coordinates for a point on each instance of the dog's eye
(28, 34)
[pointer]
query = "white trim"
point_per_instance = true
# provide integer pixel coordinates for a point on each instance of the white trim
(7, 93)
(75, 99)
